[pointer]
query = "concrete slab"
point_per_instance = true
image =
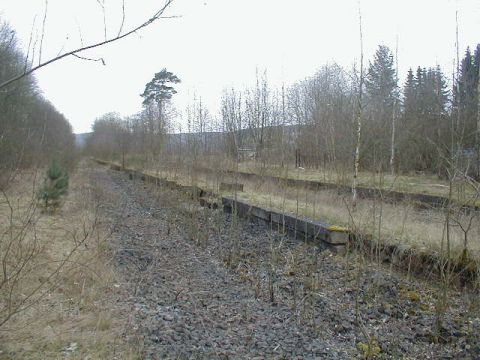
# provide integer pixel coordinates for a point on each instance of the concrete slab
(231, 187)
(260, 213)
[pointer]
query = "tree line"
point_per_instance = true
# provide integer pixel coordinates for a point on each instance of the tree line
(140, 135)
(32, 131)
(414, 125)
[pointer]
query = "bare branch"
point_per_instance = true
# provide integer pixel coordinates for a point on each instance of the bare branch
(79, 33)
(43, 32)
(34, 47)
(123, 18)
(102, 5)
(154, 18)
(89, 59)
(61, 49)
(30, 43)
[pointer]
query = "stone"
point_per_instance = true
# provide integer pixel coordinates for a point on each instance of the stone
(337, 237)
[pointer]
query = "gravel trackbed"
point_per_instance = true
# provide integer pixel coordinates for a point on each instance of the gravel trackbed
(202, 285)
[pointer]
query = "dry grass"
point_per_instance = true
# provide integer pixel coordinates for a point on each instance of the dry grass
(412, 183)
(401, 223)
(389, 223)
(72, 311)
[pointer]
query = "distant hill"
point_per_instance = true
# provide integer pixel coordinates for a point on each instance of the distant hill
(81, 139)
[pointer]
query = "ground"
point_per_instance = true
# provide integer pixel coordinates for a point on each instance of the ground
(159, 277)
(402, 223)
(202, 285)
(61, 299)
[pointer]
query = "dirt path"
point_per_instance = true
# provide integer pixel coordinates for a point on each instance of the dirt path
(202, 288)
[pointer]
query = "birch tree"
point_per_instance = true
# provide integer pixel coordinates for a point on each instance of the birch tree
(394, 118)
(359, 115)
(232, 112)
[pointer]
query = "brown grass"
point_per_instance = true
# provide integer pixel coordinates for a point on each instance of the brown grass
(411, 183)
(400, 223)
(73, 313)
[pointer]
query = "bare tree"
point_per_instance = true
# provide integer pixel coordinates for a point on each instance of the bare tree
(359, 114)
(233, 120)
(477, 137)
(394, 117)
(257, 111)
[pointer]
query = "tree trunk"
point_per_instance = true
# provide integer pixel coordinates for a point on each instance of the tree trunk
(477, 140)
(358, 118)
(392, 145)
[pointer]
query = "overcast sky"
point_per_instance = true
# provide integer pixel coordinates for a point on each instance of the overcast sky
(215, 44)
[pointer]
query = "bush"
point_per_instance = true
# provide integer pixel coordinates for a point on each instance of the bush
(55, 185)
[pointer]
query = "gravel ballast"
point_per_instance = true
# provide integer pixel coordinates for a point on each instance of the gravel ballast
(203, 285)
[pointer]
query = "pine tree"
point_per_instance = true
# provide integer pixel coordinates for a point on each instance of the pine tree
(409, 95)
(55, 185)
(424, 118)
(381, 92)
(380, 82)
(465, 98)
(158, 90)
(157, 94)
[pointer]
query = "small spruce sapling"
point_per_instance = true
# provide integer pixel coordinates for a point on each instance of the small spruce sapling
(55, 185)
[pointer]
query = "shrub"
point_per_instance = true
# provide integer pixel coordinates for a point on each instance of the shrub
(55, 185)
